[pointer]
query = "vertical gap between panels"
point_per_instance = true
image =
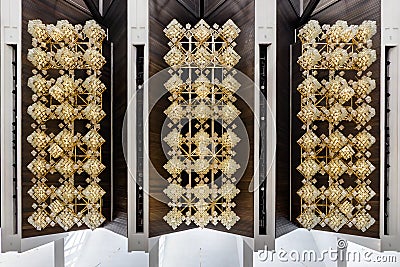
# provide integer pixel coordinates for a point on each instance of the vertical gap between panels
(139, 139)
(263, 143)
(14, 135)
(9, 131)
(388, 65)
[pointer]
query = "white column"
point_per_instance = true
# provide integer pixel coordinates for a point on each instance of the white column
(10, 35)
(391, 37)
(265, 33)
(154, 254)
(247, 253)
(137, 35)
(59, 260)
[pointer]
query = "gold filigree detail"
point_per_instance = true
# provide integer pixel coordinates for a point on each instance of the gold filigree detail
(202, 152)
(59, 100)
(332, 105)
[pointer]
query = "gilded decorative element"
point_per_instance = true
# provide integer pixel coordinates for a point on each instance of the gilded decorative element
(326, 158)
(202, 114)
(63, 101)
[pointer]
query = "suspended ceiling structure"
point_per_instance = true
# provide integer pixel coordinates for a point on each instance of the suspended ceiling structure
(83, 149)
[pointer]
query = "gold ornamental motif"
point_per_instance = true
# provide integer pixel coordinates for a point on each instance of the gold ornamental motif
(327, 154)
(65, 100)
(202, 135)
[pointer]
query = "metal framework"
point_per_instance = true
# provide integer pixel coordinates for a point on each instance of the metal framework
(202, 114)
(328, 108)
(71, 154)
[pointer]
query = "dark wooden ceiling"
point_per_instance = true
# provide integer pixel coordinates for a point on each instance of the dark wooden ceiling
(201, 8)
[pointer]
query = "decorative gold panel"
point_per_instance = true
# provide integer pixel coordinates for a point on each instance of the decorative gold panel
(65, 50)
(202, 131)
(326, 107)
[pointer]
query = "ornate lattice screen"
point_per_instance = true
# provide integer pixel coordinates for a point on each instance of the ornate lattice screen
(336, 111)
(201, 117)
(67, 110)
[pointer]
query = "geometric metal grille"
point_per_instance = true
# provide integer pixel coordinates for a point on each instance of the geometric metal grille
(201, 117)
(67, 92)
(332, 56)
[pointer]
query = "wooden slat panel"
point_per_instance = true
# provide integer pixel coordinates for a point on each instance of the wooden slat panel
(107, 5)
(81, 4)
(211, 5)
(116, 19)
(286, 21)
(193, 6)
